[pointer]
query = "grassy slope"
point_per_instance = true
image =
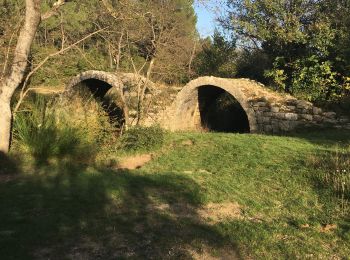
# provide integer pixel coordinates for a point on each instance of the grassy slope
(70, 211)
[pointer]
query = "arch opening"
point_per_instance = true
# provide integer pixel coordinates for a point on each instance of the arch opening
(99, 90)
(220, 111)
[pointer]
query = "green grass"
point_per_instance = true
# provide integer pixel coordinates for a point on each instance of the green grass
(66, 210)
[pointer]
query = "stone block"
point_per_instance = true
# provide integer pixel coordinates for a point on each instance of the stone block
(307, 117)
(263, 109)
(344, 119)
(260, 104)
(304, 104)
(330, 121)
(260, 119)
(316, 111)
(318, 118)
(280, 115)
(266, 120)
(268, 129)
(275, 109)
(284, 125)
(291, 102)
(275, 129)
(274, 122)
(329, 115)
(306, 111)
(291, 116)
(291, 108)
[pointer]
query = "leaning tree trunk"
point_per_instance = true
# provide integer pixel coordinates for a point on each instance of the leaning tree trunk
(18, 68)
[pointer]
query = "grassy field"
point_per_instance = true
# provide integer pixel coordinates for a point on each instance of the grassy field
(202, 196)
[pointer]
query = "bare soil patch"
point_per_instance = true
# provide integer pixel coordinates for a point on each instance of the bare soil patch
(217, 212)
(134, 162)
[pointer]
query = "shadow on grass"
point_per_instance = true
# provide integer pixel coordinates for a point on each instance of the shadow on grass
(327, 137)
(8, 165)
(102, 214)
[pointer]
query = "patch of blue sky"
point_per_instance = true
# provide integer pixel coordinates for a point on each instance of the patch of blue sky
(207, 12)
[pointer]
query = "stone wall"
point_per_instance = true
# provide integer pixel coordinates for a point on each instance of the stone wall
(267, 111)
(177, 108)
(292, 114)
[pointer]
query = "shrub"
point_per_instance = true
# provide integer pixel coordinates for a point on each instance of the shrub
(82, 110)
(309, 78)
(143, 138)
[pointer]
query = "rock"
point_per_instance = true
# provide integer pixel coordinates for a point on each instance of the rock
(266, 120)
(284, 125)
(304, 104)
(291, 108)
(280, 115)
(260, 104)
(291, 116)
(318, 118)
(330, 115)
(268, 128)
(330, 121)
(316, 111)
(307, 117)
(343, 119)
(275, 109)
(268, 114)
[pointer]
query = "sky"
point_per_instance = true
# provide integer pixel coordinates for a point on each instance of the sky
(206, 14)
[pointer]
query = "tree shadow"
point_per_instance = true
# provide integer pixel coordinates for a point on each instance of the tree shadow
(324, 137)
(8, 165)
(74, 213)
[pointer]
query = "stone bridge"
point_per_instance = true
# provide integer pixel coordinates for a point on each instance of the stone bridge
(218, 104)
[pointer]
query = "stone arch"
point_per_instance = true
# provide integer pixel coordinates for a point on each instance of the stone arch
(102, 76)
(185, 107)
(109, 87)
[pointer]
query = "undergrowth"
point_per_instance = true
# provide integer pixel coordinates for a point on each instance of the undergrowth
(57, 128)
(333, 171)
(141, 138)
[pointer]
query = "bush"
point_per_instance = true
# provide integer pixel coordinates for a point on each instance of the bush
(143, 138)
(82, 110)
(309, 78)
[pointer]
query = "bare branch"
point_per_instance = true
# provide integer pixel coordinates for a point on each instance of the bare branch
(53, 11)
(24, 91)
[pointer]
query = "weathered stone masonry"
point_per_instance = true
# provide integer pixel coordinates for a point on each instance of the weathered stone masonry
(267, 111)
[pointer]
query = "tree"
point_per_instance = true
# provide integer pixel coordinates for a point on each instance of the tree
(151, 38)
(10, 82)
(217, 57)
(298, 37)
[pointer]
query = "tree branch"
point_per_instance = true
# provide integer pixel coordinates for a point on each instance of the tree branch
(53, 10)
(25, 91)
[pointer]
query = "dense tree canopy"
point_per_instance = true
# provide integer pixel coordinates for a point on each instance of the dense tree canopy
(305, 41)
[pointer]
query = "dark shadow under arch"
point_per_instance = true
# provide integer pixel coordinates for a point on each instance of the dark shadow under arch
(99, 89)
(220, 111)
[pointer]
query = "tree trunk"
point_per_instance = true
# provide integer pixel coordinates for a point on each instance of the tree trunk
(5, 124)
(18, 68)
(143, 90)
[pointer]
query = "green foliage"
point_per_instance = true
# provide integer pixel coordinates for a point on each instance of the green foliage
(38, 131)
(303, 40)
(142, 138)
(217, 58)
(310, 78)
